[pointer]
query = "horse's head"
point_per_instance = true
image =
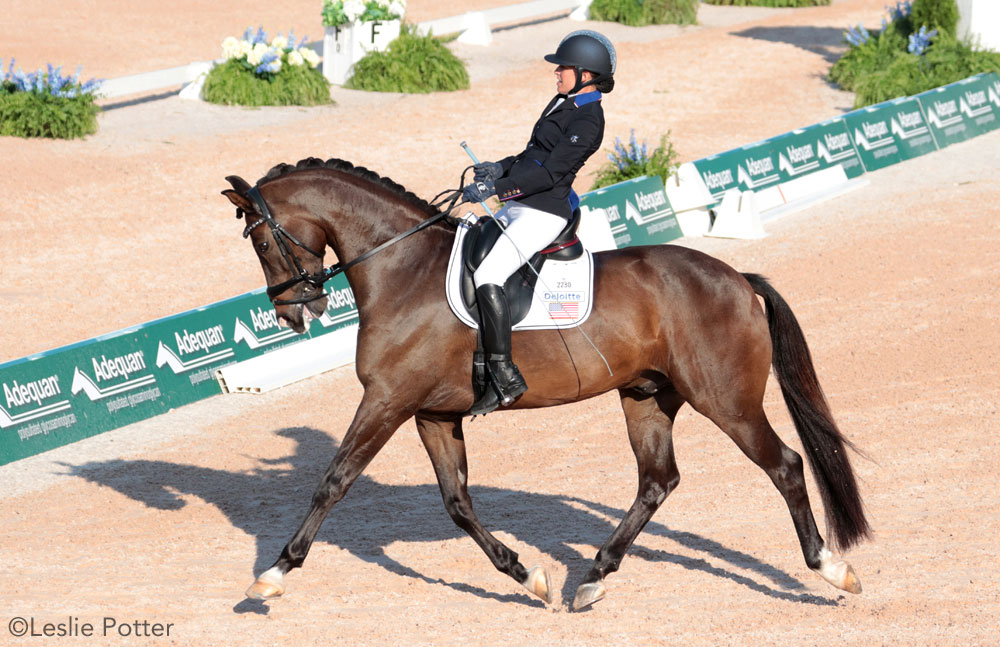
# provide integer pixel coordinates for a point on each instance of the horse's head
(289, 245)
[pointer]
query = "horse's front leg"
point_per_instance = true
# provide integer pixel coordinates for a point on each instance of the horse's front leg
(445, 444)
(375, 421)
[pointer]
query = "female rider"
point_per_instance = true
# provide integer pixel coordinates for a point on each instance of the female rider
(535, 187)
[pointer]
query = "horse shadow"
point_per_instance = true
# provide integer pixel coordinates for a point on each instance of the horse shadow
(269, 502)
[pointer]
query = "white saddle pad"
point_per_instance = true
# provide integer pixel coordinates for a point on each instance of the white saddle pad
(564, 293)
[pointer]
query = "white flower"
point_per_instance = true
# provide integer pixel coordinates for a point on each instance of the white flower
(257, 53)
(244, 48)
(309, 56)
(295, 59)
(397, 8)
(231, 48)
(353, 9)
(279, 42)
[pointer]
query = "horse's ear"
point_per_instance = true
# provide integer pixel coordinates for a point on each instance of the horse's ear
(238, 194)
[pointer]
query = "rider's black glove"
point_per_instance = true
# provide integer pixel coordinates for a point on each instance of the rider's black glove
(478, 191)
(491, 171)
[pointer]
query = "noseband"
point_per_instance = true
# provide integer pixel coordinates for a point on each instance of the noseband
(282, 238)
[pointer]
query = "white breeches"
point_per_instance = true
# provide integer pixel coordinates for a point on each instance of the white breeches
(527, 231)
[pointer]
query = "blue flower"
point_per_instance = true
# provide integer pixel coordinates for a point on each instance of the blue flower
(901, 10)
(261, 36)
(920, 41)
(857, 36)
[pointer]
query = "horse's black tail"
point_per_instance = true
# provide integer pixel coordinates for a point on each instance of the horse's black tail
(824, 445)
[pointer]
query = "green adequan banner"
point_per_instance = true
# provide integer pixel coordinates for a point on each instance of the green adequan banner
(637, 210)
(962, 110)
(889, 133)
(780, 159)
(815, 148)
(750, 168)
(69, 393)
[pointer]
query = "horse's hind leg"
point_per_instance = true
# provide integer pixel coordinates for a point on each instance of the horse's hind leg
(650, 422)
(445, 445)
(757, 439)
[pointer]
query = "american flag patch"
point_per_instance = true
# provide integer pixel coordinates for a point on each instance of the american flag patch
(564, 310)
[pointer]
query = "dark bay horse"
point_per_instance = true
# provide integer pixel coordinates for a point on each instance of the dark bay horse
(674, 325)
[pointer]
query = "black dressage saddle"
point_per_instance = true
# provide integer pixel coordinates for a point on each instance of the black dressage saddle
(521, 284)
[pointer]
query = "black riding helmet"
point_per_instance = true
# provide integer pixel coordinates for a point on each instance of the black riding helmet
(587, 50)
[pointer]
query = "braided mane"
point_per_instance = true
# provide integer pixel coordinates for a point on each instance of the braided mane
(359, 172)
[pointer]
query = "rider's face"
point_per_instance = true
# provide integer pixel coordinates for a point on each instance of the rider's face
(566, 78)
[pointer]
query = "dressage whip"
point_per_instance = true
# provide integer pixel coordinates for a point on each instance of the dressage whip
(525, 260)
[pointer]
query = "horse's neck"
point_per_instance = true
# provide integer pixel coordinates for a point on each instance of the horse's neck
(356, 227)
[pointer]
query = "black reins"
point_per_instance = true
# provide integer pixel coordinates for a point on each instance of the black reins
(282, 237)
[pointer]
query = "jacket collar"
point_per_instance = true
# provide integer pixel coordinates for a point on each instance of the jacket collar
(584, 98)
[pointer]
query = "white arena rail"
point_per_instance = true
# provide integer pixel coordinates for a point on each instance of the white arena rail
(474, 25)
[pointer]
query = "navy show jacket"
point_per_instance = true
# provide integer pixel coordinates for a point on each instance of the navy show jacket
(542, 175)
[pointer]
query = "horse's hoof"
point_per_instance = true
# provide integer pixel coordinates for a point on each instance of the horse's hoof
(538, 583)
(588, 594)
(268, 586)
(851, 583)
(839, 574)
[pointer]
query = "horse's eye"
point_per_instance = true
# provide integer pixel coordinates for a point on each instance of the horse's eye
(263, 247)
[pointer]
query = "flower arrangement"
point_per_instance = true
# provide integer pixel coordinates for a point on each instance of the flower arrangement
(915, 50)
(258, 71)
(265, 59)
(47, 104)
(633, 160)
(344, 12)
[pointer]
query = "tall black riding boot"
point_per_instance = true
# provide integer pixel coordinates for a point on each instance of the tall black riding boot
(505, 381)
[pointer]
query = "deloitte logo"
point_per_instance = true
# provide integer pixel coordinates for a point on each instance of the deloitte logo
(112, 369)
(35, 394)
(189, 343)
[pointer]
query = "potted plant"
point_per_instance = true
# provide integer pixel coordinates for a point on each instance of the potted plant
(47, 104)
(261, 72)
(354, 28)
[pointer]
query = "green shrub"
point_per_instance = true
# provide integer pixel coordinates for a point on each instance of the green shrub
(645, 12)
(47, 104)
(935, 14)
(412, 64)
(901, 60)
(230, 83)
(259, 72)
(632, 161)
(770, 3)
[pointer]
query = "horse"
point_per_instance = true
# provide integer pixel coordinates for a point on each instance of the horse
(672, 326)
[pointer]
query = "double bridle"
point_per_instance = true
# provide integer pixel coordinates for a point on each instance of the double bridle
(284, 239)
